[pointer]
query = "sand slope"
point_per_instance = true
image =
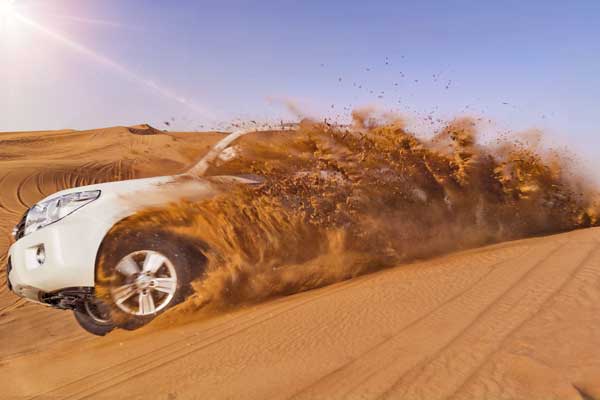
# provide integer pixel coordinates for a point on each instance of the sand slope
(516, 320)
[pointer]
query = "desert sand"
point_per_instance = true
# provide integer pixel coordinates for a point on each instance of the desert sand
(516, 320)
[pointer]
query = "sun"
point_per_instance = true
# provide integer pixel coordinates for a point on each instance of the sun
(7, 9)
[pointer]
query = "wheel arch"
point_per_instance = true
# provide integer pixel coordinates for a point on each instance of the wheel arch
(193, 247)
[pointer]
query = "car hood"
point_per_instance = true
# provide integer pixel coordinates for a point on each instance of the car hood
(134, 194)
(120, 187)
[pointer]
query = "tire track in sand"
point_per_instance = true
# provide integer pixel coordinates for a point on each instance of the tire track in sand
(587, 276)
(130, 368)
(2, 185)
(444, 373)
(20, 192)
(114, 374)
(378, 369)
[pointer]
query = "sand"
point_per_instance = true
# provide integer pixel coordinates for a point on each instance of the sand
(516, 320)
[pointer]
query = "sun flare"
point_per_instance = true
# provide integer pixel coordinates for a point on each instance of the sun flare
(6, 9)
(13, 20)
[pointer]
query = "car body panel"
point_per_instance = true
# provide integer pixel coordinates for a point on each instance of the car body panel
(71, 244)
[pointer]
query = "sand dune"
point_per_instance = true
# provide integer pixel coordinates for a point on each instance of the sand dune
(515, 320)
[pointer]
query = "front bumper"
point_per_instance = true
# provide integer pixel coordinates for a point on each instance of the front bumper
(69, 246)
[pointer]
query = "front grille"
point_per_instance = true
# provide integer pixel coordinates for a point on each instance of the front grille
(19, 229)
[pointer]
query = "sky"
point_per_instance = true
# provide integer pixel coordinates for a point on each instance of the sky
(201, 65)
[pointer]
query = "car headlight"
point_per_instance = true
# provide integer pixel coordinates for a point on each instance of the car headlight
(56, 208)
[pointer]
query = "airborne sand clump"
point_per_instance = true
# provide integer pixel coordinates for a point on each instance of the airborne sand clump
(337, 202)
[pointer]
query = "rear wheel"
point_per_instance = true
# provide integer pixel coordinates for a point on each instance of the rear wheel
(144, 276)
(94, 317)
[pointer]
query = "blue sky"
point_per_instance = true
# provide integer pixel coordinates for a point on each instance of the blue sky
(86, 64)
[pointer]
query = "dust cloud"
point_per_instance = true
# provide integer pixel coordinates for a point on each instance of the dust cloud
(335, 202)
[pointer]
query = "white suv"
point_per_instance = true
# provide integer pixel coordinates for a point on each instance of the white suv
(60, 240)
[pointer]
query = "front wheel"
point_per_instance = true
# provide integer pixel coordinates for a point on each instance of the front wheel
(144, 276)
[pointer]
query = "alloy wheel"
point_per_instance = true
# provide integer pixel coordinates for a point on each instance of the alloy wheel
(145, 283)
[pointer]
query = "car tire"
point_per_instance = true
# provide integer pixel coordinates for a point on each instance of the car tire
(142, 274)
(94, 318)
